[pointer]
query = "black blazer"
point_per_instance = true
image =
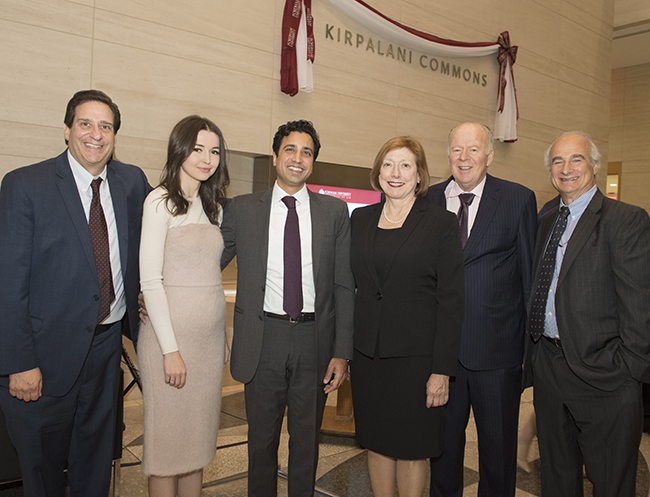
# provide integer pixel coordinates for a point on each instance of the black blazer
(498, 258)
(417, 309)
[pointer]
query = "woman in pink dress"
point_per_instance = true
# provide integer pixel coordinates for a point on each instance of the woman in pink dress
(182, 348)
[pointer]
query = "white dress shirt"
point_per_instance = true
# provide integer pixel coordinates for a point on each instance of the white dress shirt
(273, 296)
(83, 179)
(453, 201)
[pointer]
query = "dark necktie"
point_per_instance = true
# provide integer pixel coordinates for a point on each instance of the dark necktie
(99, 237)
(292, 291)
(466, 200)
(538, 310)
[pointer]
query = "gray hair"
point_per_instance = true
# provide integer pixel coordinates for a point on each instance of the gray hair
(594, 154)
(488, 134)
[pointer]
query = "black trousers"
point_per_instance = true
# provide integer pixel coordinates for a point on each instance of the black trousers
(494, 397)
(286, 377)
(577, 423)
(76, 429)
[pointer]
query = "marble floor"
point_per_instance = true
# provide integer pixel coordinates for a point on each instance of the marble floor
(342, 467)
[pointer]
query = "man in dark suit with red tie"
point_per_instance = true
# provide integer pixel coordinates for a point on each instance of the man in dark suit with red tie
(498, 221)
(69, 240)
(589, 329)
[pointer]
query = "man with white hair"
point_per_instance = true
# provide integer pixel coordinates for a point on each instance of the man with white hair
(589, 326)
(497, 221)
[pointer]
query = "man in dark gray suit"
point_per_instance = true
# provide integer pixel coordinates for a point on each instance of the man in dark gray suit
(589, 321)
(294, 310)
(498, 220)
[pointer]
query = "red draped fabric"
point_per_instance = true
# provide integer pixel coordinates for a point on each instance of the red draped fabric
(293, 11)
(296, 70)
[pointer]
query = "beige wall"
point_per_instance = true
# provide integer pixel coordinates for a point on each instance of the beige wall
(630, 132)
(163, 59)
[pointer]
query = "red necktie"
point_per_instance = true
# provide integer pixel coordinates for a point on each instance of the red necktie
(99, 237)
(292, 291)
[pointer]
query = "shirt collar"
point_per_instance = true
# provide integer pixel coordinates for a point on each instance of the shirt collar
(453, 190)
(579, 205)
(81, 175)
(301, 196)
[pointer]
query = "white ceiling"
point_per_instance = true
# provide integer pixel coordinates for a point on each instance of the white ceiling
(631, 44)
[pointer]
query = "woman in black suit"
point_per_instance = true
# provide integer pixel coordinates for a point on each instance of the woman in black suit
(408, 266)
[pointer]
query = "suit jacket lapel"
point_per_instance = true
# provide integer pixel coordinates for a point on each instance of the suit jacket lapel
(368, 242)
(438, 194)
(413, 219)
(70, 194)
(546, 223)
(262, 217)
(486, 209)
(118, 197)
(317, 231)
(585, 226)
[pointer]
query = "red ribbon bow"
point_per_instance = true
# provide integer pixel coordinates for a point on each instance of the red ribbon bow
(507, 53)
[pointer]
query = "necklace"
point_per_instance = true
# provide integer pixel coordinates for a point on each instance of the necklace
(394, 222)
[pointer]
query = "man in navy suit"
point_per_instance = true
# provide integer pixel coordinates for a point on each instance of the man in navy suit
(589, 324)
(499, 226)
(66, 299)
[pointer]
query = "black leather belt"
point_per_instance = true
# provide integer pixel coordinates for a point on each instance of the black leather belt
(302, 318)
(101, 328)
(555, 341)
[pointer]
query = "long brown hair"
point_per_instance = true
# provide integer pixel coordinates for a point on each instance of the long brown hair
(181, 145)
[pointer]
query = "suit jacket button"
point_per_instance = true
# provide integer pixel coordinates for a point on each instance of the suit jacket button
(89, 329)
(379, 296)
(96, 297)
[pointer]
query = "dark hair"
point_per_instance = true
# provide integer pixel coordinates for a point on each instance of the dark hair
(84, 96)
(420, 162)
(300, 126)
(212, 191)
